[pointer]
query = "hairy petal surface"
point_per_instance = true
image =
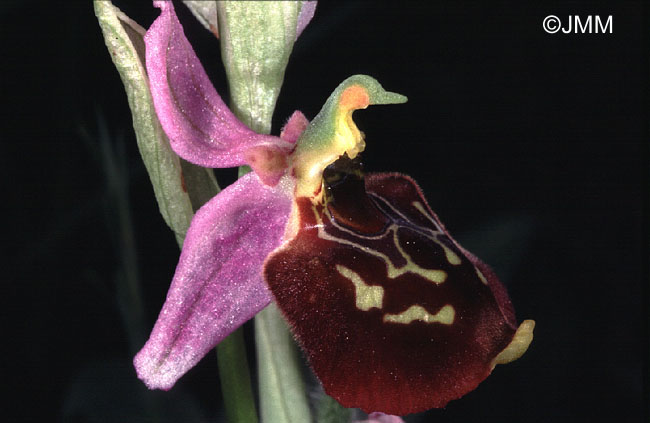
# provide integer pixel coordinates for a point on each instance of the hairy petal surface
(295, 126)
(201, 128)
(393, 314)
(218, 282)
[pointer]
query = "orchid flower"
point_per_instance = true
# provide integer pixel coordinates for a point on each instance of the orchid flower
(392, 313)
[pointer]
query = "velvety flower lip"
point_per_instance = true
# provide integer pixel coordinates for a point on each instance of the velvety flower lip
(200, 127)
(392, 313)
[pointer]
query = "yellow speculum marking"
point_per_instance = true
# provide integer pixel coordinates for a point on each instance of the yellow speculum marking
(481, 276)
(367, 296)
(445, 315)
(424, 212)
(434, 275)
(452, 257)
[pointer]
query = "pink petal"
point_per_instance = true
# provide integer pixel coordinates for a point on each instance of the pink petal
(306, 14)
(293, 128)
(270, 164)
(218, 283)
(199, 125)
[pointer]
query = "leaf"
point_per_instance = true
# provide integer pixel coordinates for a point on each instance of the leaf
(206, 13)
(328, 410)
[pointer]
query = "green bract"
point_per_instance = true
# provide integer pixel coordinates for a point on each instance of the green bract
(256, 40)
(124, 40)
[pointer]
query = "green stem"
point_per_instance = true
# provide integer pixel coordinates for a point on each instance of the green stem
(235, 379)
(256, 40)
(282, 391)
(328, 410)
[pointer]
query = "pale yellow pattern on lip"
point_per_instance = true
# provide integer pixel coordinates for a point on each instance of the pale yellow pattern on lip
(445, 315)
(481, 276)
(452, 257)
(519, 344)
(370, 296)
(366, 296)
(422, 210)
(434, 275)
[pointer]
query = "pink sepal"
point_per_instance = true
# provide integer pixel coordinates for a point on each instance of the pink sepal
(218, 282)
(200, 127)
(306, 14)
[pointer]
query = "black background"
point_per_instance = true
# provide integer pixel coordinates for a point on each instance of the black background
(531, 147)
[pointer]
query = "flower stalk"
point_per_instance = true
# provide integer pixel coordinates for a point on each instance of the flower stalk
(234, 375)
(256, 42)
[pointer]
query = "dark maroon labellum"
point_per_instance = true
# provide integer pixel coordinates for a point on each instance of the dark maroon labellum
(393, 314)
